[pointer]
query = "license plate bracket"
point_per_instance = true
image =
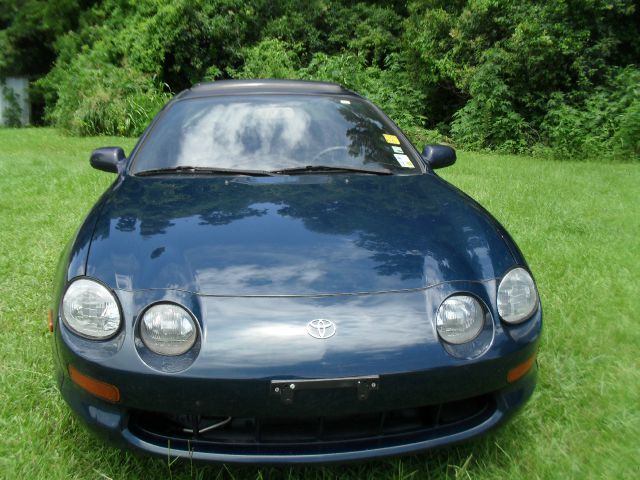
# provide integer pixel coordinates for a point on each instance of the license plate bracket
(285, 389)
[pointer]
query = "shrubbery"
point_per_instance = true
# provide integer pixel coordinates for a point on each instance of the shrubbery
(509, 76)
(554, 77)
(605, 123)
(388, 87)
(93, 97)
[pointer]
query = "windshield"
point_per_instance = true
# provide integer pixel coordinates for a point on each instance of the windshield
(271, 133)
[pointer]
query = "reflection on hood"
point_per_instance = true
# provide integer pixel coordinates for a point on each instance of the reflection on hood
(280, 236)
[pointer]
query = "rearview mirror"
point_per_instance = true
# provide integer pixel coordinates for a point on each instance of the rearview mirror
(439, 156)
(108, 159)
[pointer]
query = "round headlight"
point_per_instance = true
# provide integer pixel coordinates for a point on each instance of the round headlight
(168, 329)
(460, 319)
(90, 309)
(517, 296)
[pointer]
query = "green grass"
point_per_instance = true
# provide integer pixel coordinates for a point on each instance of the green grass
(577, 223)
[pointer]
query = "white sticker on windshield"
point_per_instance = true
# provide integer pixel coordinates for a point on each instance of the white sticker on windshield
(346, 102)
(404, 161)
(397, 149)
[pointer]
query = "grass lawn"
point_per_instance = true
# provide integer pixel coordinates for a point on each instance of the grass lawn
(577, 223)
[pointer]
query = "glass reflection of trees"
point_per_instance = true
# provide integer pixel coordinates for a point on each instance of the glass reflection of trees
(269, 132)
(366, 137)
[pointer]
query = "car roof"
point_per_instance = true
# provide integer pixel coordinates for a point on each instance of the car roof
(242, 87)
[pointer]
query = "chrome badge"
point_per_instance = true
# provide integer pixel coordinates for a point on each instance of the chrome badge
(321, 328)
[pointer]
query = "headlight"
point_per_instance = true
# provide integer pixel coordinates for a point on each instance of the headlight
(90, 309)
(460, 319)
(168, 329)
(517, 296)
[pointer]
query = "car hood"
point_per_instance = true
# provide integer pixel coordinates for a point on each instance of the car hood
(292, 235)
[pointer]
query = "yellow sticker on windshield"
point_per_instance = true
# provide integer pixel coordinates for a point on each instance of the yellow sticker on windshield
(391, 139)
(404, 161)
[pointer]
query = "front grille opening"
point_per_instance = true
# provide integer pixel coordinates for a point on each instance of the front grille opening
(310, 434)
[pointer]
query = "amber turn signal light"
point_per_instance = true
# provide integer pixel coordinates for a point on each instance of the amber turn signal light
(50, 318)
(102, 390)
(520, 370)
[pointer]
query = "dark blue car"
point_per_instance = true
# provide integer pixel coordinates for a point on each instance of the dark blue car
(276, 275)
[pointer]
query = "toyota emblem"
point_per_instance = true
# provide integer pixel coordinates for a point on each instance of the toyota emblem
(321, 328)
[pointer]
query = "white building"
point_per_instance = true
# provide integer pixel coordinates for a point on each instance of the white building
(19, 86)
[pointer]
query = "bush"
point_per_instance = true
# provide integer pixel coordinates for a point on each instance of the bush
(493, 69)
(550, 75)
(271, 58)
(94, 98)
(604, 123)
(389, 88)
(111, 74)
(489, 120)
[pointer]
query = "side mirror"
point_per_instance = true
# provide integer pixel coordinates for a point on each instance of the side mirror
(439, 156)
(108, 159)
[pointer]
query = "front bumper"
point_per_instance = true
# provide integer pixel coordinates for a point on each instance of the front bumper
(294, 439)
(426, 397)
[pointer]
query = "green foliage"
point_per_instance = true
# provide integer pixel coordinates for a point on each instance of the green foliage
(271, 58)
(368, 30)
(390, 88)
(95, 97)
(607, 122)
(111, 74)
(28, 31)
(176, 43)
(489, 119)
(332, 27)
(485, 74)
(492, 67)
(303, 24)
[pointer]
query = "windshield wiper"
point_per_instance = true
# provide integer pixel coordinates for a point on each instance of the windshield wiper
(205, 171)
(330, 168)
